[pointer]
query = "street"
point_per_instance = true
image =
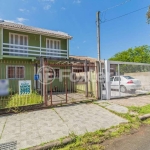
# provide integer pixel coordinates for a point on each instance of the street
(139, 140)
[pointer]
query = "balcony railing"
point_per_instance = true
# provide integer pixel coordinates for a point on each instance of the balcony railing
(32, 51)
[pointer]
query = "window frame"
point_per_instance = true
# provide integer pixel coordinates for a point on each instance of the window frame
(58, 73)
(112, 78)
(19, 35)
(49, 39)
(119, 79)
(15, 71)
(55, 73)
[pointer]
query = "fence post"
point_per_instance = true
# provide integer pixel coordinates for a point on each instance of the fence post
(86, 78)
(41, 85)
(36, 69)
(107, 81)
(97, 64)
(66, 88)
(44, 82)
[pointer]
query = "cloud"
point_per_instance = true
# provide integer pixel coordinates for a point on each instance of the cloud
(23, 10)
(63, 8)
(77, 1)
(47, 7)
(84, 41)
(12, 21)
(78, 47)
(21, 19)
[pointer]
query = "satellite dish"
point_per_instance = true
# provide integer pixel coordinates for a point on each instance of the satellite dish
(148, 15)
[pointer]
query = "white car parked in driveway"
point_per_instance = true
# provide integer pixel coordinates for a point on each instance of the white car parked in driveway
(126, 83)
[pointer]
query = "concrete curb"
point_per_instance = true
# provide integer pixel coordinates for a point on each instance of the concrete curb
(144, 117)
(52, 144)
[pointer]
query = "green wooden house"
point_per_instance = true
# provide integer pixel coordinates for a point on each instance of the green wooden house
(21, 46)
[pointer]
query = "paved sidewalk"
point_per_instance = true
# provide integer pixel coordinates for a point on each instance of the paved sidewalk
(114, 107)
(138, 101)
(33, 128)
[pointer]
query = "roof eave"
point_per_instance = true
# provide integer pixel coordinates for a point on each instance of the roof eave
(37, 32)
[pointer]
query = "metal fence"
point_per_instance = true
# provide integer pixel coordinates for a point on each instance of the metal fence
(17, 84)
(125, 79)
(72, 83)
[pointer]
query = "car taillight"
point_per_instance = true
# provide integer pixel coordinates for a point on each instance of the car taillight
(130, 82)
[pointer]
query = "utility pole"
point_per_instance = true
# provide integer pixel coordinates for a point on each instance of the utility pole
(98, 33)
(99, 55)
(148, 16)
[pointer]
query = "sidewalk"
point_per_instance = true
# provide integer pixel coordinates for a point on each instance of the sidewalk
(37, 127)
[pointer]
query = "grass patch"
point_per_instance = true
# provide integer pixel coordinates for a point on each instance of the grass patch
(20, 100)
(94, 140)
(147, 121)
(141, 110)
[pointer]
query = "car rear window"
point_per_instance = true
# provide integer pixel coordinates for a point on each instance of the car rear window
(128, 77)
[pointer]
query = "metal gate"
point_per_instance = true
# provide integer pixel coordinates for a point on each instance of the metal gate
(69, 82)
(123, 79)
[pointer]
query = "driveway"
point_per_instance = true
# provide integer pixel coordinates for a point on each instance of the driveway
(138, 101)
(117, 94)
(33, 128)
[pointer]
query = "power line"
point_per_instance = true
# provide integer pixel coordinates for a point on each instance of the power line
(116, 6)
(124, 15)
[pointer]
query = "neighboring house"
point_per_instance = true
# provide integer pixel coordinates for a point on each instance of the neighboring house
(21, 46)
(91, 62)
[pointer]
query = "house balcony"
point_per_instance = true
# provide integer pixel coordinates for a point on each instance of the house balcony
(22, 51)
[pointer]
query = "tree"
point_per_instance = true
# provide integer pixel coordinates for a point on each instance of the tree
(139, 54)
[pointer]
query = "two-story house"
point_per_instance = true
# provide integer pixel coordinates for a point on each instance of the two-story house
(21, 46)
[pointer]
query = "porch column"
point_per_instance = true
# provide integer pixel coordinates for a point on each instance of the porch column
(107, 81)
(1, 51)
(67, 48)
(98, 87)
(86, 78)
(40, 44)
(44, 81)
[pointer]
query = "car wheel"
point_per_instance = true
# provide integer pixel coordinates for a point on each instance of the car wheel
(123, 89)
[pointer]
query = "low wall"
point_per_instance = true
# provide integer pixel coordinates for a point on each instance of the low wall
(92, 85)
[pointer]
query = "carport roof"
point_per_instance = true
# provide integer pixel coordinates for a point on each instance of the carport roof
(84, 58)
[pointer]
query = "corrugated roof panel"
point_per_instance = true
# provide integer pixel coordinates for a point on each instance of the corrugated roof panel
(21, 27)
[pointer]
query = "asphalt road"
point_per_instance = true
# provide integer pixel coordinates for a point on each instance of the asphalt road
(137, 141)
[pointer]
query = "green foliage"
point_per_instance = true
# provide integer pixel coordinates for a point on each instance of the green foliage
(147, 121)
(17, 100)
(139, 54)
(141, 110)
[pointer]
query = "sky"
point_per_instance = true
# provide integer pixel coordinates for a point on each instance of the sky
(78, 19)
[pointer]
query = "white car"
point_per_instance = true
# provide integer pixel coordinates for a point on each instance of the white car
(126, 83)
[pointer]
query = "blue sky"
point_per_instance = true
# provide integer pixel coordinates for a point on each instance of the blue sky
(78, 18)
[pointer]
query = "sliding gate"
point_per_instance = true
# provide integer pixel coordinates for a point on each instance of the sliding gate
(123, 79)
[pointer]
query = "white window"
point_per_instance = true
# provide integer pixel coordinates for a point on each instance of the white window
(19, 44)
(15, 72)
(53, 47)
